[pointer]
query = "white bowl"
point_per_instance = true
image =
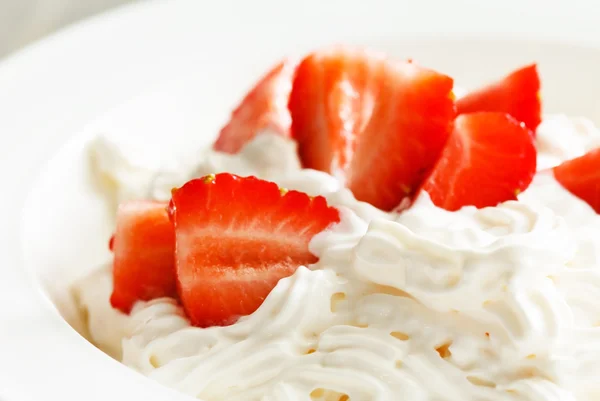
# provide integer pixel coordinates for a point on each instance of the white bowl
(165, 76)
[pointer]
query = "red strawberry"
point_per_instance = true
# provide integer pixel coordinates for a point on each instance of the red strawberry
(517, 94)
(581, 176)
(236, 237)
(144, 254)
(377, 124)
(264, 107)
(489, 158)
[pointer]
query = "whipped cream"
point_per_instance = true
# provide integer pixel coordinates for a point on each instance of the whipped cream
(499, 303)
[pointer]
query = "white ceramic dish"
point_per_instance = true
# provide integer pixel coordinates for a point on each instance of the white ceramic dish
(169, 72)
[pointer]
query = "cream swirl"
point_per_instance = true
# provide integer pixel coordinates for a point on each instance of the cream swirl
(480, 304)
(561, 138)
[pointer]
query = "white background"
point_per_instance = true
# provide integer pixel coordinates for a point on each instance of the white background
(22, 21)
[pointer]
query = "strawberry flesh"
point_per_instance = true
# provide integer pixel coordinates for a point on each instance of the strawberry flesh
(517, 94)
(376, 124)
(144, 259)
(236, 238)
(489, 158)
(263, 108)
(581, 177)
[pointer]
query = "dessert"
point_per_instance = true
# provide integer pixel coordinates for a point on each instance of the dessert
(373, 239)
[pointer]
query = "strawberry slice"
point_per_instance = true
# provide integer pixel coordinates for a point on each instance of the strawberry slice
(144, 254)
(489, 158)
(581, 177)
(236, 238)
(517, 94)
(376, 124)
(264, 107)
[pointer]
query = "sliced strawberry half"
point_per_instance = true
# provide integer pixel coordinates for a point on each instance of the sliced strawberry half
(236, 238)
(144, 254)
(378, 125)
(517, 94)
(264, 107)
(581, 177)
(489, 158)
